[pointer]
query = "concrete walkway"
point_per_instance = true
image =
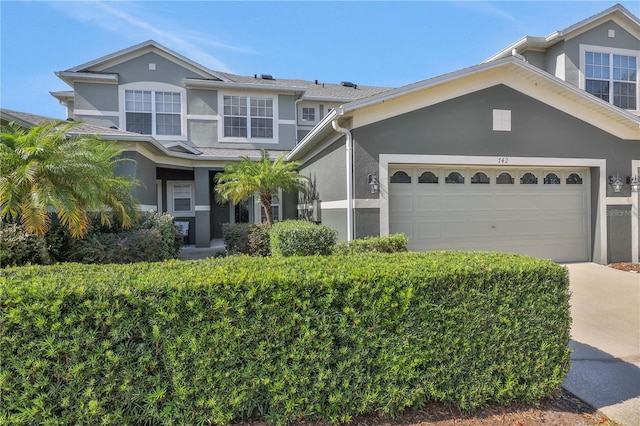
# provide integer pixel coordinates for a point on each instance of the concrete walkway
(605, 338)
(192, 252)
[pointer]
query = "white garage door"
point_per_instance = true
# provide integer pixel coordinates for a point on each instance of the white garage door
(533, 211)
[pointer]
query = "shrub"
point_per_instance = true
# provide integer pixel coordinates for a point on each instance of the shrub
(153, 237)
(236, 237)
(259, 240)
(395, 243)
(301, 238)
(318, 337)
(18, 247)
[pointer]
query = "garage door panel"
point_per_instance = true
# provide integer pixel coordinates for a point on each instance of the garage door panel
(549, 221)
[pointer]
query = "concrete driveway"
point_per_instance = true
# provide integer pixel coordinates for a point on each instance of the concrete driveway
(605, 338)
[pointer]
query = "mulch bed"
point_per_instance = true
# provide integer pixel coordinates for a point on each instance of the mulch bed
(626, 266)
(563, 409)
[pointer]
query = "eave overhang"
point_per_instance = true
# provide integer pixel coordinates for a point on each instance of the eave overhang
(71, 77)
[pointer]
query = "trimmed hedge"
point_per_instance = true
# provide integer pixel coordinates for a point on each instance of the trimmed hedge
(246, 238)
(301, 238)
(396, 243)
(222, 340)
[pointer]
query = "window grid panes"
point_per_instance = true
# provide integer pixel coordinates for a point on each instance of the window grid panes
(454, 177)
(400, 177)
(480, 177)
(428, 177)
(551, 179)
(239, 111)
(612, 78)
(308, 114)
(504, 178)
(142, 107)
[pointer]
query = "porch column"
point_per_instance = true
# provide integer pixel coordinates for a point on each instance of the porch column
(203, 207)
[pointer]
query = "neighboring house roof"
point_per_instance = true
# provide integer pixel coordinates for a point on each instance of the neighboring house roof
(92, 70)
(24, 119)
(509, 71)
(617, 13)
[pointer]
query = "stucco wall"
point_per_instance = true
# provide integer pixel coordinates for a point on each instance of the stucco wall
(137, 70)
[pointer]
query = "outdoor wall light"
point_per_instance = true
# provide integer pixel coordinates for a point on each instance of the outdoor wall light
(634, 182)
(373, 183)
(616, 183)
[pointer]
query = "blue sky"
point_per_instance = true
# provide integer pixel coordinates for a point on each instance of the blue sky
(369, 43)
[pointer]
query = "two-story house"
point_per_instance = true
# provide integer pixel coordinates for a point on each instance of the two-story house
(534, 151)
(182, 122)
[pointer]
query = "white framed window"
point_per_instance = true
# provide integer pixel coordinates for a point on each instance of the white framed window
(180, 198)
(611, 75)
(248, 117)
(275, 208)
(153, 113)
(155, 109)
(502, 120)
(308, 114)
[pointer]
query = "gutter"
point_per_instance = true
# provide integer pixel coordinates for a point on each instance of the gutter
(349, 159)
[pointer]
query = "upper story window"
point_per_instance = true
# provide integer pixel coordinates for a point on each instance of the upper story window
(612, 76)
(153, 112)
(248, 117)
(308, 114)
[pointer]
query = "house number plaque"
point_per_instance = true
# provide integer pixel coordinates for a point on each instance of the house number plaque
(503, 160)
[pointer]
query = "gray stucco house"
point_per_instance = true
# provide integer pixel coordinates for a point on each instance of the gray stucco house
(182, 122)
(534, 151)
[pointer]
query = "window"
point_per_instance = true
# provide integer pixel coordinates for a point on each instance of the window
(528, 179)
(308, 114)
(153, 113)
(552, 179)
(428, 177)
(400, 177)
(574, 179)
(181, 198)
(504, 178)
(275, 209)
(454, 177)
(248, 117)
(480, 178)
(612, 77)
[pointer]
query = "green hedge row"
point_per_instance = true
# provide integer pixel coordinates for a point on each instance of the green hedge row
(395, 243)
(223, 340)
(301, 238)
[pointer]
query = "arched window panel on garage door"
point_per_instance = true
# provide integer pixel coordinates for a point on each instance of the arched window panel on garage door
(428, 177)
(400, 177)
(454, 177)
(528, 179)
(480, 177)
(574, 179)
(504, 178)
(551, 179)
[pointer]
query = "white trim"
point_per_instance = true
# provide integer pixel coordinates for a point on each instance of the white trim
(293, 122)
(635, 217)
(619, 201)
(147, 207)
(358, 203)
(97, 113)
(202, 208)
(154, 86)
(171, 184)
(611, 51)
(600, 253)
(249, 95)
(203, 117)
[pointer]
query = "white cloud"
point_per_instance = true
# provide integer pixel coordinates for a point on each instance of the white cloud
(489, 9)
(136, 22)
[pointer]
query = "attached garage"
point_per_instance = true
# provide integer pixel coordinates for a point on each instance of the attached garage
(537, 211)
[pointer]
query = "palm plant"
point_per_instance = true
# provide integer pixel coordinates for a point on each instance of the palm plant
(43, 170)
(263, 177)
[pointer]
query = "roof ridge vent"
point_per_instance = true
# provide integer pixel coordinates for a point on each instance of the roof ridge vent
(349, 84)
(266, 77)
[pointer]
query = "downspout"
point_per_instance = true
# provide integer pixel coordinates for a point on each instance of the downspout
(349, 148)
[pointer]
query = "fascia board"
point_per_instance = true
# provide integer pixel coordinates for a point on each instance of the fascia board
(196, 83)
(307, 142)
(71, 76)
(327, 99)
(141, 49)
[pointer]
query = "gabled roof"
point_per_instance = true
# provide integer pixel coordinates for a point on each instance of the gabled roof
(617, 13)
(509, 71)
(93, 69)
